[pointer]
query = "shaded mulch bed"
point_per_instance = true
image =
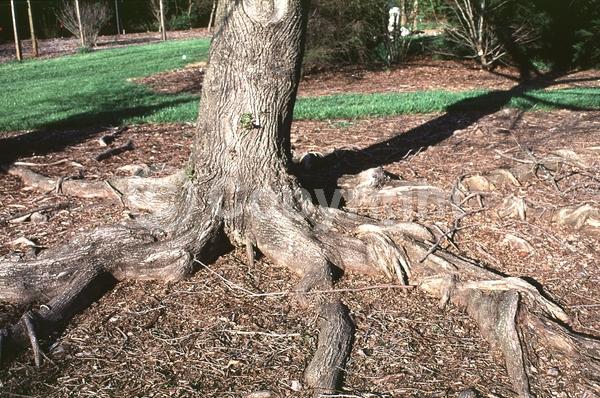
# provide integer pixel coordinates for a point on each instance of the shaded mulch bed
(417, 75)
(205, 337)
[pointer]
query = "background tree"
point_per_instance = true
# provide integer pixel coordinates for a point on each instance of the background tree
(343, 32)
(159, 9)
(567, 32)
(474, 30)
(555, 34)
(94, 16)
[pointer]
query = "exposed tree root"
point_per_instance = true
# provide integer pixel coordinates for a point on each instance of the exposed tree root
(376, 187)
(336, 330)
(504, 307)
(148, 194)
(315, 242)
(525, 171)
(71, 277)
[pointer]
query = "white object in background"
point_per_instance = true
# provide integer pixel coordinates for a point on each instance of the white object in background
(394, 19)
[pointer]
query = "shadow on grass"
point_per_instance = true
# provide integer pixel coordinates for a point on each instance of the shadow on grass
(126, 42)
(53, 137)
(458, 116)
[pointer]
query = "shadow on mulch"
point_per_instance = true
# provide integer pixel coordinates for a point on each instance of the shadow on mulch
(458, 116)
(57, 136)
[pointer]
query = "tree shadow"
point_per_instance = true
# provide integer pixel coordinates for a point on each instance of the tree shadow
(126, 42)
(458, 116)
(56, 136)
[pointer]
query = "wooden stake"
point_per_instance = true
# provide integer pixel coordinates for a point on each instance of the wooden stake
(163, 31)
(79, 22)
(16, 30)
(34, 43)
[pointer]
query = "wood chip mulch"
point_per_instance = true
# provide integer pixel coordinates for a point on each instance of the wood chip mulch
(205, 337)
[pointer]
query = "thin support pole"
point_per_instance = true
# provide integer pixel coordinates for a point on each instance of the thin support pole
(16, 30)
(34, 43)
(163, 30)
(118, 19)
(81, 36)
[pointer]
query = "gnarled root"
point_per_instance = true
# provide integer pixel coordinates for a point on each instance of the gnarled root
(505, 308)
(325, 371)
(70, 278)
(153, 195)
(336, 331)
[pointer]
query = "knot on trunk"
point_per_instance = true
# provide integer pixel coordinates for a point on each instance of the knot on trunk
(265, 12)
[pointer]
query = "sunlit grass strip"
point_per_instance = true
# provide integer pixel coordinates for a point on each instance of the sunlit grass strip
(349, 106)
(357, 106)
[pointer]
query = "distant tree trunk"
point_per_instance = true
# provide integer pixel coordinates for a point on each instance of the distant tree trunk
(34, 43)
(117, 17)
(190, 7)
(81, 32)
(403, 18)
(163, 30)
(212, 16)
(415, 14)
(16, 30)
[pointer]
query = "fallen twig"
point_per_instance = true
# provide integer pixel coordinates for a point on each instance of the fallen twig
(58, 206)
(255, 333)
(117, 193)
(62, 161)
(114, 151)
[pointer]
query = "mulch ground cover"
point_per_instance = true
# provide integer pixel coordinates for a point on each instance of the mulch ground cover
(206, 337)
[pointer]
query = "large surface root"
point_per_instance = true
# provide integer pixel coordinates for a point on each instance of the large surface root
(153, 195)
(505, 308)
(71, 277)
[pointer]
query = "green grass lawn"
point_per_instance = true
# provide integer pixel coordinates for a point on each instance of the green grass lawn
(93, 90)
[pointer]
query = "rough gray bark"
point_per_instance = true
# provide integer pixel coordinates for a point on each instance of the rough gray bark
(238, 187)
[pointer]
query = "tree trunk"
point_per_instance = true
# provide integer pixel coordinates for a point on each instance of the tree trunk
(34, 43)
(163, 30)
(16, 30)
(403, 17)
(242, 143)
(415, 15)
